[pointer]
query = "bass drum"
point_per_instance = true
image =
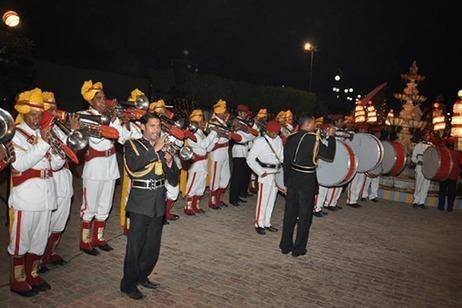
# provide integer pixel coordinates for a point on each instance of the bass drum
(377, 171)
(437, 163)
(368, 150)
(394, 158)
(341, 170)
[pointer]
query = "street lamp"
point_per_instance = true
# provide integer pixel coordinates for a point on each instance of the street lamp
(337, 77)
(11, 19)
(308, 47)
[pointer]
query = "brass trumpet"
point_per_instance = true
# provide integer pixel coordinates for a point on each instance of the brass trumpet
(103, 119)
(184, 152)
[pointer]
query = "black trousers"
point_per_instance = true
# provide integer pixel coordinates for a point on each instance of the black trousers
(299, 204)
(240, 178)
(447, 189)
(142, 253)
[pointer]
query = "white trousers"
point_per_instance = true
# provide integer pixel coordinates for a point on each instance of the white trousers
(332, 196)
(60, 216)
(197, 177)
(321, 198)
(172, 191)
(356, 188)
(97, 199)
(267, 192)
(29, 233)
(421, 186)
(220, 174)
(371, 189)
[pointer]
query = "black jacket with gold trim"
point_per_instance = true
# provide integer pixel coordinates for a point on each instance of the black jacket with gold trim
(143, 163)
(301, 153)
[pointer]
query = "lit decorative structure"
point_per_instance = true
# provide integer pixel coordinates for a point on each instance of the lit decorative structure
(360, 113)
(371, 114)
(11, 19)
(438, 118)
(456, 121)
(390, 118)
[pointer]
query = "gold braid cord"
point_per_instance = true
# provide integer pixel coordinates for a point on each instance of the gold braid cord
(138, 174)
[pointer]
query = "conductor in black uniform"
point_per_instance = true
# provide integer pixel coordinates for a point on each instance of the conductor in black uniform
(301, 153)
(148, 168)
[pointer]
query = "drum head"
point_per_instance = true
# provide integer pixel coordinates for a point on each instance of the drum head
(335, 173)
(368, 150)
(431, 162)
(389, 157)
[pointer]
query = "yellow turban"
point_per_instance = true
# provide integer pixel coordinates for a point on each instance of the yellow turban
(288, 114)
(48, 100)
(281, 116)
(135, 94)
(262, 113)
(29, 100)
(157, 106)
(196, 116)
(219, 107)
(319, 121)
(89, 90)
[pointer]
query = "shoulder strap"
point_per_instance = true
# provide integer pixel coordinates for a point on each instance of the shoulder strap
(29, 138)
(272, 149)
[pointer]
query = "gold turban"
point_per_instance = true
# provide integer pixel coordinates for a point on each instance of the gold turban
(319, 121)
(219, 107)
(89, 90)
(48, 100)
(157, 106)
(29, 100)
(196, 116)
(281, 116)
(135, 94)
(262, 113)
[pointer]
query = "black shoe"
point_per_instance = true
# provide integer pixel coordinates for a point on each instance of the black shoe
(235, 204)
(423, 206)
(149, 284)
(354, 205)
(174, 217)
(29, 293)
(242, 200)
(165, 222)
(92, 252)
(363, 199)
(285, 252)
(43, 269)
(375, 200)
(339, 207)
(449, 209)
(223, 204)
(135, 294)
(260, 230)
(318, 214)
(42, 287)
(271, 229)
(331, 208)
(297, 254)
(105, 247)
(415, 205)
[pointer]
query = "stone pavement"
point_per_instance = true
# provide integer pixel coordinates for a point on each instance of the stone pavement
(382, 255)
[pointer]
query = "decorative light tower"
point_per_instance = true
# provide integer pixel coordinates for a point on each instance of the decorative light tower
(456, 122)
(371, 113)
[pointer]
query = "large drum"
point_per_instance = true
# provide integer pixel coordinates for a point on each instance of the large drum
(368, 150)
(377, 171)
(437, 163)
(341, 170)
(394, 158)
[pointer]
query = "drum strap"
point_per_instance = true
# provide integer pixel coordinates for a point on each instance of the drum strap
(272, 150)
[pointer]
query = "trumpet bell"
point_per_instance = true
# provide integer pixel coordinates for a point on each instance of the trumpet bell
(142, 102)
(77, 140)
(7, 126)
(186, 153)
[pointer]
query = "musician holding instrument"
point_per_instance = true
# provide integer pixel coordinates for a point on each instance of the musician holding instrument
(197, 172)
(260, 121)
(265, 159)
(240, 176)
(100, 171)
(448, 188)
(149, 167)
(301, 153)
(422, 184)
(33, 195)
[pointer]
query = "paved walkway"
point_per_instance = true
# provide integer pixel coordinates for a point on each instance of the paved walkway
(382, 255)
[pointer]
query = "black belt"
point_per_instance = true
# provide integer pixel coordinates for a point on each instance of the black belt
(148, 184)
(419, 163)
(304, 169)
(241, 143)
(271, 166)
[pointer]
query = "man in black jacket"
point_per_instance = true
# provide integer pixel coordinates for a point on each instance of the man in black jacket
(148, 168)
(301, 153)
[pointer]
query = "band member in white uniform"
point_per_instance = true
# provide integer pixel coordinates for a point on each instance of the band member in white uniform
(371, 188)
(422, 184)
(265, 159)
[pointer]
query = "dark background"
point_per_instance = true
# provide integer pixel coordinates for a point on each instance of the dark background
(368, 42)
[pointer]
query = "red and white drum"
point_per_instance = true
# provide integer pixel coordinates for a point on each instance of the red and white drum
(437, 163)
(394, 158)
(368, 150)
(377, 171)
(341, 170)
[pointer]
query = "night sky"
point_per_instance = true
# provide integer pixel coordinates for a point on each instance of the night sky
(256, 41)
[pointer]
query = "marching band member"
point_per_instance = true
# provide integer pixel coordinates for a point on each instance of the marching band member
(300, 159)
(422, 184)
(448, 187)
(371, 188)
(240, 176)
(333, 194)
(358, 183)
(33, 195)
(62, 178)
(197, 172)
(100, 173)
(220, 173)
(260, 122)
(281, 119)
(265, 159)
(148, 167)
(173, 191)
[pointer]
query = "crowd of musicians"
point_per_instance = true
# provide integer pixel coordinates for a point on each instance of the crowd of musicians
(160, 155)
